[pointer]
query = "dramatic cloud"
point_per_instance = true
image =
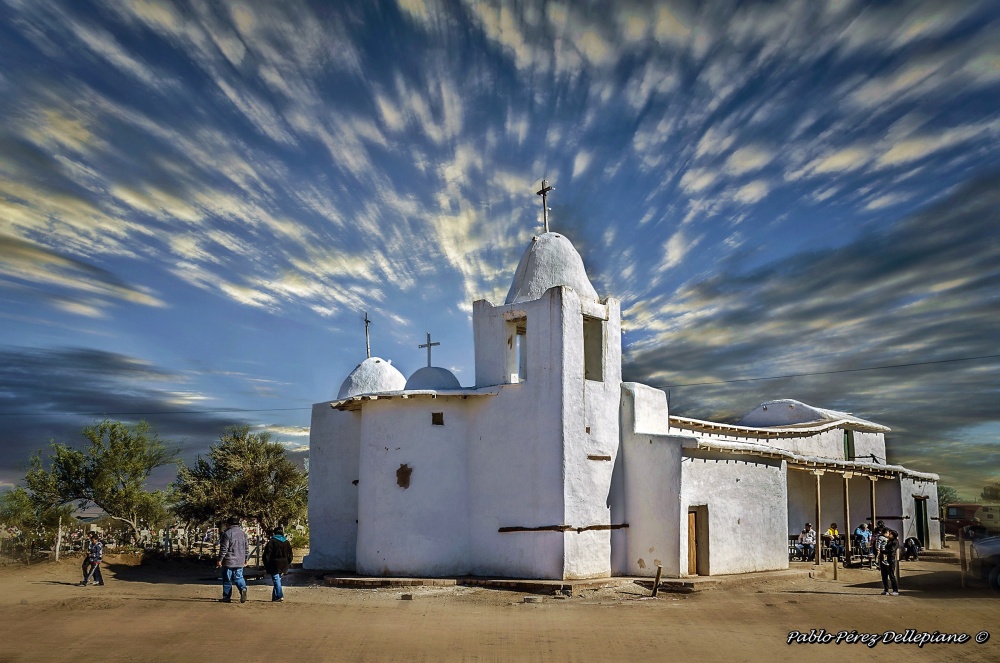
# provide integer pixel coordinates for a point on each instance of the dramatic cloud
(227, 188)
(921, 292)
(51, 395)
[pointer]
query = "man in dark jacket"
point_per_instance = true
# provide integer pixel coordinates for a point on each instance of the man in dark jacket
(277, 559)
(95, 553)
(232, 559)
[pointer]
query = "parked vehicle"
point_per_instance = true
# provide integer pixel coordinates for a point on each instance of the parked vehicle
(984, 560)
(983, 518)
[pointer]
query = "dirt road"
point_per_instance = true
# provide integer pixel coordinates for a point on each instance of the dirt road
(169, 612)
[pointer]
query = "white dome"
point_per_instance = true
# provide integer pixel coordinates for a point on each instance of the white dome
(550, 261)
(783, 412)
(371, 376)
(432, 377)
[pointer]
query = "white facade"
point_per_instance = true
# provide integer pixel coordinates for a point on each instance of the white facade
(551, 467)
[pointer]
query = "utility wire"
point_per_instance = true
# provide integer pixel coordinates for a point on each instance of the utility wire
(669, 386)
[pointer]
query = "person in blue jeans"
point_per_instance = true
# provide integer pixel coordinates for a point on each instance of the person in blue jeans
(277, 560)
(95, 553)
(232, 559)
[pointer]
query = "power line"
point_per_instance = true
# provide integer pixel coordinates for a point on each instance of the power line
(843, 370)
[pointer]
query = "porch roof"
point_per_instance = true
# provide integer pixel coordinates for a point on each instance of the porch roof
(798, 461)
(791, 430)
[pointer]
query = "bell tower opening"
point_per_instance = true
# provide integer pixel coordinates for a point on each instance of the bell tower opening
(517, 349)
(593, 349)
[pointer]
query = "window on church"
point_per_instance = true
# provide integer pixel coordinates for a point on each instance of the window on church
(437, 418)
(593, 348)
(849, 445)
(517, 355)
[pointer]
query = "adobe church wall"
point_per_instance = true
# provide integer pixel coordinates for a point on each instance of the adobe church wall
(590, 433)
(646, 486)
(334, 444)
(413, 515)
(889, 503)
(515, 452)
(869, 444)
(747, 512)
(911, 488)
(830, 444)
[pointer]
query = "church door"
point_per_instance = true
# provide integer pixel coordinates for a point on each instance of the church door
(692, 543)
(920, 515)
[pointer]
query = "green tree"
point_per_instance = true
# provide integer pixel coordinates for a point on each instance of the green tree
(37, 526)
(110, 473)
(991, 492)
(16, 509)
(245, 475)
(947, 495)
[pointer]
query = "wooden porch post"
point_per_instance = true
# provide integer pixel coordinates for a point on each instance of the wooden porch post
(873, 480)
(819, 519)
(847, 516)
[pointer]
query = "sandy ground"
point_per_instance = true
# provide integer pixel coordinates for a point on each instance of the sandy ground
(168, 611)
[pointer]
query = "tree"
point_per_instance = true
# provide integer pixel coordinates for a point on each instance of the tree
(16, 509)
(991, 492)
(947, 495)
(111, 473)
(36, 526)
(245, 475)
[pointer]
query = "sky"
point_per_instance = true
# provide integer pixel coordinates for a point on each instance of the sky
(199, 201)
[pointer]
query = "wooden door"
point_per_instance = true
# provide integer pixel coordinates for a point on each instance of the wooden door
(692, 543)
(920, 515)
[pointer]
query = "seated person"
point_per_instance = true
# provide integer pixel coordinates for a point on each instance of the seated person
(807, 539)
(836, 547)
(911, 549)
(862, 538)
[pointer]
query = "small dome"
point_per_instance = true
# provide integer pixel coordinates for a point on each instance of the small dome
(551, 260)
(432, 377)
(371, 376)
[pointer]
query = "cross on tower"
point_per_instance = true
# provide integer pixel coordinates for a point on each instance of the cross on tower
(545, 208)
(428, 345)
(368, 345)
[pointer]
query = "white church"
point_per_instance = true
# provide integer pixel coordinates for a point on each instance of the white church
(551, 467)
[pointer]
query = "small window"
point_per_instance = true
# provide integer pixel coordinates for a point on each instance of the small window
(517, 349)
(849, 445)
(437, 418)
(593, 349)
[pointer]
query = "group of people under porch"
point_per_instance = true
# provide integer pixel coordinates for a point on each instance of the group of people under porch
(883, 550)
(805, 547)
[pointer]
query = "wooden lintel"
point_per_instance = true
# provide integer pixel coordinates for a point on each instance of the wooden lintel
(561, 528)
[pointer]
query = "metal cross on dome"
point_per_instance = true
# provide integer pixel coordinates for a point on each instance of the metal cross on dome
(368, 345)
(543, 192)
(428, 345)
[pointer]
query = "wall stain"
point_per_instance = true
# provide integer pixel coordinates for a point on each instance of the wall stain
(642, 563)
(403, 476)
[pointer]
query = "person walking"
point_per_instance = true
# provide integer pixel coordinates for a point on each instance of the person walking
(277, 560)
(95, 553)
(887, 562)
(232, 559)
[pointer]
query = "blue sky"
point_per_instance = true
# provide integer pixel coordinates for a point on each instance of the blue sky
(199, 201)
